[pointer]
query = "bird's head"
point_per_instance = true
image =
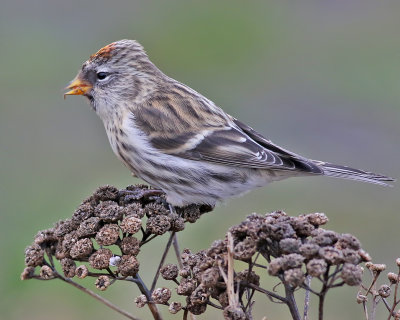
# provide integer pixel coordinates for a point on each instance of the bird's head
(117, 73)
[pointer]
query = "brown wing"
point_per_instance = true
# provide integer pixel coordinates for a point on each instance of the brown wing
(190, 128)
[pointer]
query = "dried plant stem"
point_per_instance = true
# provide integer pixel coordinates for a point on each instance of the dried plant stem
(96, 296)
(291, 302)
(322, 295)
(165, 253)
(267, 292)
(395, 302)
(307, 298)
(143, 289)
(177, 250)
(233, 299)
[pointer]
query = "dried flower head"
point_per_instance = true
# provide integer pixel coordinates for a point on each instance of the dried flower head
(46, 273)
(100, 259)
(141, 301)
(130, 246)
(82, 271)
(102, 283)
(34, 256)
(128, 266)
(81, 249)
(131, 224)
(175, 307)
(169, 271)
(161, 295)
(108, 235)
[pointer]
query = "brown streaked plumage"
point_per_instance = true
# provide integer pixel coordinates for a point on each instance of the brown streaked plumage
(176, 139)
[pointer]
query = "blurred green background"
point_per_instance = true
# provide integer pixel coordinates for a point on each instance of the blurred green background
(320, 78)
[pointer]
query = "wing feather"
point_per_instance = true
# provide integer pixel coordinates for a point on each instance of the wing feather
(210, 135)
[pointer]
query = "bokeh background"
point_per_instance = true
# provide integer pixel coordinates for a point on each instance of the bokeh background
(321, 78)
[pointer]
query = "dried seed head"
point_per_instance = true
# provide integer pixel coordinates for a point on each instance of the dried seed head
(158, 224)
(364, 255)
(109, 211)
(331, 255)
(245, 249)
(223, 299)
(197, 309)
(161, 295)
(185, 272)
(293, 260)
(68, 242)
(376, 267)
(100, 259)
(289, 245)
(210, 277)
(250, 277)
(82, 271)
(199, 295)
(316, 267)
(393, 277)
(108, 235)
(88, 227)
(191, 213)
(351, 256)
(234, 313)
(154, 209)
(280, 230)
(361, 298)
(141, 301)
(102, 283)
(28, 273)
(326, 238)
(174, 307)
(63, 227)
(105, 193)
(317, 219)
(351, 274)
(275, 266)
(46, 273)
(347, 240)
(134, 209)
(68, 267)
(131, 224)
(45, 237)
(186, 287)
(294, 277)
(128, 266)
(34, 256)
(83, 212)
(169, 271)
(302, 227)
(309, 250)
(384, 291)
(177, 223)
(81, 249)
(130, 245)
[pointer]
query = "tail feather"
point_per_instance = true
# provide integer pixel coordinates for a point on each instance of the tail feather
(338, 171)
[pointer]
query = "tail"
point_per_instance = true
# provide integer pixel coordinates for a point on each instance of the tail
(337, 171)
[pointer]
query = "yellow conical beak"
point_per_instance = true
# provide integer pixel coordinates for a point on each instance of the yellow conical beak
(78, 87)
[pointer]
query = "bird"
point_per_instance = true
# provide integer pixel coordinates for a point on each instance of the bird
(179, 141)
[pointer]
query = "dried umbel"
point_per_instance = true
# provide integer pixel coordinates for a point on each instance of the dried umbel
(105, 236)
(292, 249)
(372, 294)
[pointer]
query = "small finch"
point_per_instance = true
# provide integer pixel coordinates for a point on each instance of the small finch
(175, 139)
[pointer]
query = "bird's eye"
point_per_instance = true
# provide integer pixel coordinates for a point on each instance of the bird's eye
(102, 75)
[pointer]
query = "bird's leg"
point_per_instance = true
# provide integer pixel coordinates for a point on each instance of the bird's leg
(175, 240)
